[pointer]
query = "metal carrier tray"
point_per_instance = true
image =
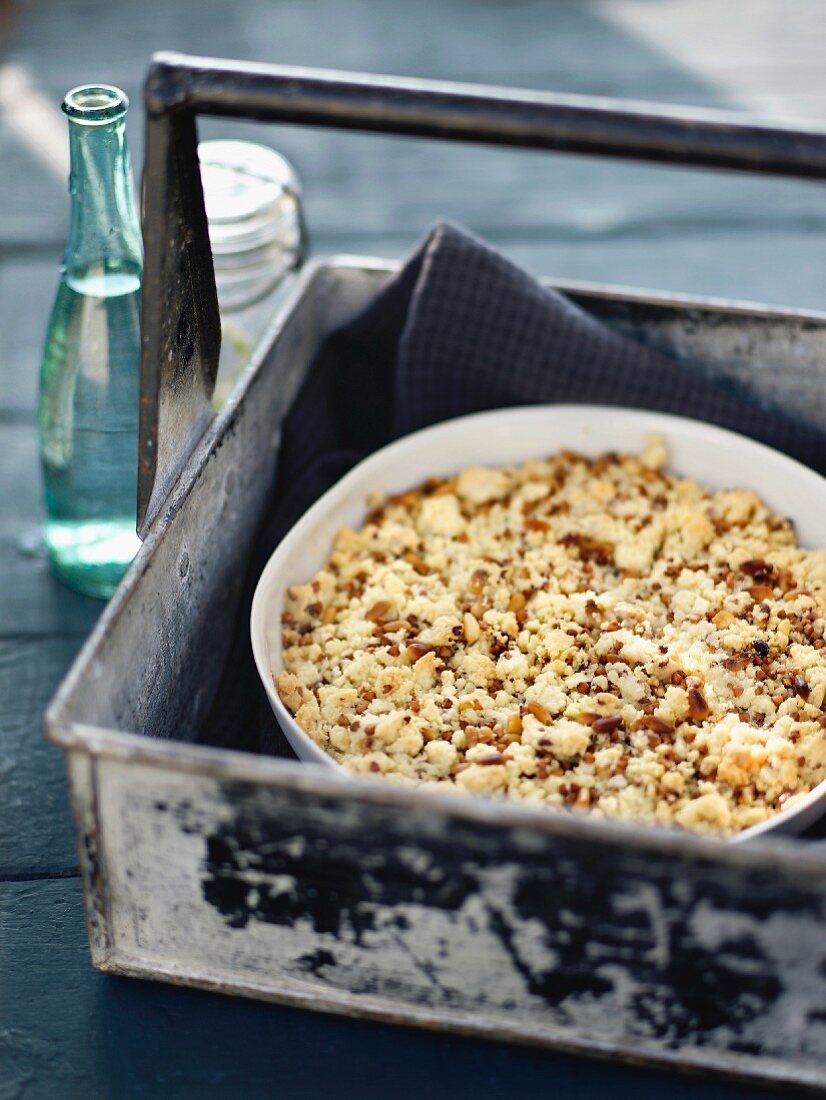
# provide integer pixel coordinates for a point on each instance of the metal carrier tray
(278, 880)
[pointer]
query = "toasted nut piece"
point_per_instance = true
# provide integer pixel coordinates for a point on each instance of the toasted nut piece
(443, 489)
(408, 499)
(395, 624)
(583, 798)
(513, 726)
(516, 602)
(489, 758)
(468, 704)
(329, 616)
(539, 712)
(608, 724)
(379, 611)
(757, 565)
(471, 628)
(760, 592)
(418, 563)
(723, 619)
(657, 725)
(801, 687)
(532, 524)
(698, 707)
(478, 580)
(736, 663)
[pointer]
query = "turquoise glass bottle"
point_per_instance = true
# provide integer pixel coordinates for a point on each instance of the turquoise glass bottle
(89, 380)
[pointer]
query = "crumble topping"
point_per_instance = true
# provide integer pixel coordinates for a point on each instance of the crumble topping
(599, 634)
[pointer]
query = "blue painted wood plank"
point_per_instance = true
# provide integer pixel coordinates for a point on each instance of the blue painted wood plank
(27, 288)
(36, 833)
(32, 603)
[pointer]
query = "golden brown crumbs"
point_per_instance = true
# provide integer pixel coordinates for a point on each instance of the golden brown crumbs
(598, 633)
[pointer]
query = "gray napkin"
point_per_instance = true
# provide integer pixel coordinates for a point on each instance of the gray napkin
(461, 329)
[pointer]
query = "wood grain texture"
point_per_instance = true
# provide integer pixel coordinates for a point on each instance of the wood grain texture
(32, 603)
(36, 834)
(27, 288)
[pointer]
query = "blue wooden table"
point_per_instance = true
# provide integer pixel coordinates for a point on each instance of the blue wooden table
(64, 1029)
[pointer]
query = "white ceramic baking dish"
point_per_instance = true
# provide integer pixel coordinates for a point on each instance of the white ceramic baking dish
(714, 457)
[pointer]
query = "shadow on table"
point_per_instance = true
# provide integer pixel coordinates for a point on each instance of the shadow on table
(164, 1041)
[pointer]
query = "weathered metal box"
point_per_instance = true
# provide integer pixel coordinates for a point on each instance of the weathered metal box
(277, 880)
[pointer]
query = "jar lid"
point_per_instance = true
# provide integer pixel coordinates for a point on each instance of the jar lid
(251, 194)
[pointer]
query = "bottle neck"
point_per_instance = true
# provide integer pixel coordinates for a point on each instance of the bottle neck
(104, 234)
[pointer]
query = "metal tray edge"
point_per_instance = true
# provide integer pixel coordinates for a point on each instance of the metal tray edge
(742, 1067)
(225, 765)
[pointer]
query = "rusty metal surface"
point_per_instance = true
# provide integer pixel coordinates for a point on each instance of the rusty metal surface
(282, 882)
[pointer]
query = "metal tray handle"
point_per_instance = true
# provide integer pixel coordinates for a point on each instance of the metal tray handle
(180, 325)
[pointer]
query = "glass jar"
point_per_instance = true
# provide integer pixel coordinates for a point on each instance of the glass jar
(256, 228)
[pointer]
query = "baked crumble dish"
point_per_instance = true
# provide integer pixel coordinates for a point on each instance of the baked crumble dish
(599, 634)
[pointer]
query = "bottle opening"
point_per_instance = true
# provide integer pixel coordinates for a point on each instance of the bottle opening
(95, 103)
